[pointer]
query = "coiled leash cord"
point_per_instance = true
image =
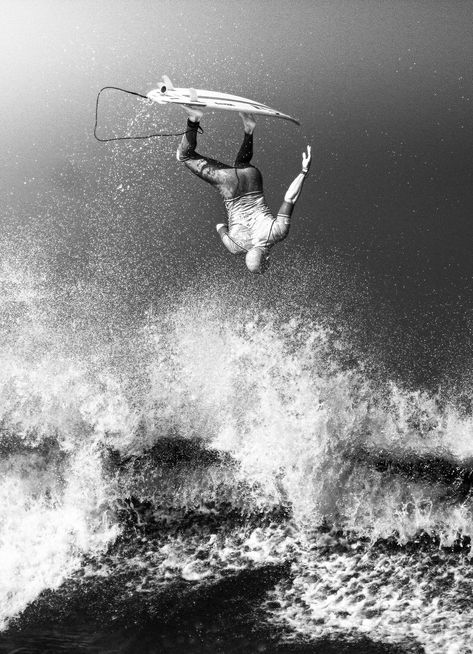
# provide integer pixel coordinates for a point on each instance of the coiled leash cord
(130, 138)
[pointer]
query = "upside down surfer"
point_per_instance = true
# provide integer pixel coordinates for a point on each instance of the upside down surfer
(252, 230)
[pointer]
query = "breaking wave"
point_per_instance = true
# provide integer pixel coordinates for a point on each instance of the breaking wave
(278, 418)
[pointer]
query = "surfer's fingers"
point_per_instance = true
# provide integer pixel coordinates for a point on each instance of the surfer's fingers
(307, 156)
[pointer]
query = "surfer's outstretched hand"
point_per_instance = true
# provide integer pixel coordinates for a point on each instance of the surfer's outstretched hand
(194, 113)
(306, 159)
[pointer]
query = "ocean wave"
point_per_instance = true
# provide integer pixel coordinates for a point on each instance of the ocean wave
(278, 411)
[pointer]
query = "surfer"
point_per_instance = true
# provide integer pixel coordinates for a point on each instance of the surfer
(251, 229)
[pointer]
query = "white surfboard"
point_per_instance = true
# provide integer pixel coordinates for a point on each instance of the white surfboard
(167, 94)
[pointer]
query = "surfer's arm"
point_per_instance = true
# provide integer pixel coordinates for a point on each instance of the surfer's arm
(293, 192)
(281, 224)
(229, 243)
(280, 227)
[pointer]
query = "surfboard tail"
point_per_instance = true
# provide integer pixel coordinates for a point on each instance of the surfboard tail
(166, 84)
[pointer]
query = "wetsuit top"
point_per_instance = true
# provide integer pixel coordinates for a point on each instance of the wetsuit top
(251, 224)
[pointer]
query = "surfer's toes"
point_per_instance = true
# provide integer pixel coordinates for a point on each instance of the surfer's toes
(193, 113)
(249, 122)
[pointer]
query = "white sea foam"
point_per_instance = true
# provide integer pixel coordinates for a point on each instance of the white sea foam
(411, 599)
(273, 395)
(268, 390)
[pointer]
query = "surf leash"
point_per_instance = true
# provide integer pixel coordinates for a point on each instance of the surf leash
(130, 138)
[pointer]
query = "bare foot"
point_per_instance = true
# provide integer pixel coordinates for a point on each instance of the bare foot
(193, 113)
(249, 122)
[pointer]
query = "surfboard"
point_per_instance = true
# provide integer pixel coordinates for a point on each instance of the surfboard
(166, 93)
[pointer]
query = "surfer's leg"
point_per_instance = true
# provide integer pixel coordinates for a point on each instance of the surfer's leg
(247, 178)
(210, 170)
(186, 149)
(245, 153)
